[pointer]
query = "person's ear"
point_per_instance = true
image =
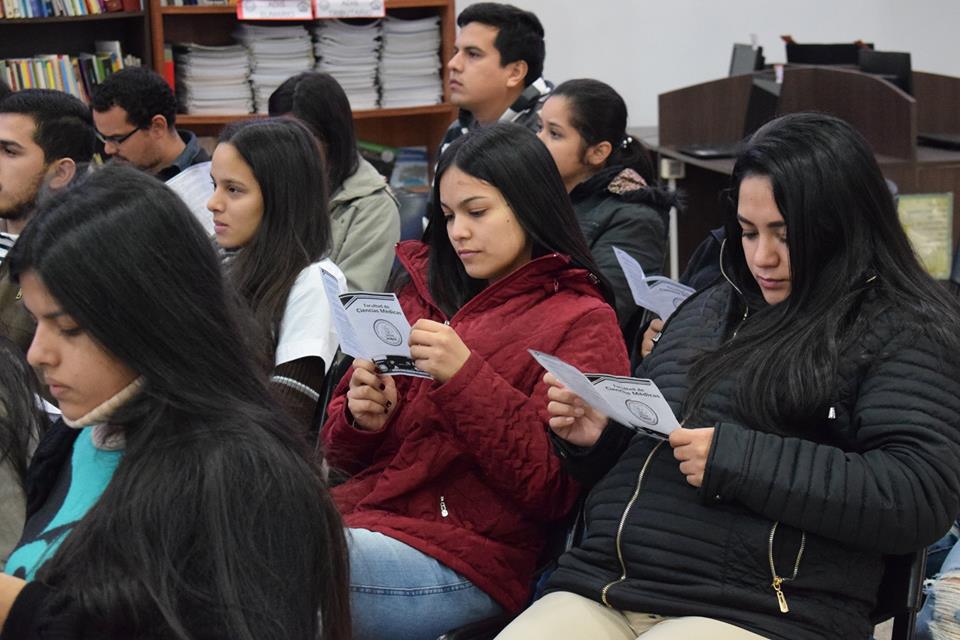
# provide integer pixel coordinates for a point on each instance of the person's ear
(158, 126)
(517, 74)
(60, 173)
(596, 155)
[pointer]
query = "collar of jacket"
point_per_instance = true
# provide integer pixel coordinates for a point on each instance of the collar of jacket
(365, 181)
(550, 273)
(533, 93)
(658, 197)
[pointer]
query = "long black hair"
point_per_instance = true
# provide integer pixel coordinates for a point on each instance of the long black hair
(22, 420)
(317, 99)
(215, 523)
(845, 243)
(599, 114)
(512, 159)
(295, 232)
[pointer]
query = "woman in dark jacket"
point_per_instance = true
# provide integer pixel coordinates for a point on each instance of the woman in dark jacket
(610, 181)
(819, 389)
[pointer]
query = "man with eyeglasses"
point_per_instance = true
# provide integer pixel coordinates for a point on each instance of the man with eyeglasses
(135, 113)
(45, 136)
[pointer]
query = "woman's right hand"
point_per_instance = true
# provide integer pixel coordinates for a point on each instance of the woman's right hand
(570, 417)
(650, 337)
(372, 398)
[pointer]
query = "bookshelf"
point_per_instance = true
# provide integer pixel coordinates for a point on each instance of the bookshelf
(213, 25)
(27, 37)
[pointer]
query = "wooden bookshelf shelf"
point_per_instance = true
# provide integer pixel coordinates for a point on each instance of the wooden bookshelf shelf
(62, 19)
(218, 9)
(406, 112)
(193, 10)
(215, 25)
(72, 35)
(446, 108)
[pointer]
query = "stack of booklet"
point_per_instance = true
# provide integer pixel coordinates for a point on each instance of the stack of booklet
(410, 64)
(351, 54)
(276, 53)
(212, 80)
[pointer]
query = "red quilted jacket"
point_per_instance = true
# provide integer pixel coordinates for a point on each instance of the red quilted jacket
(464, 470)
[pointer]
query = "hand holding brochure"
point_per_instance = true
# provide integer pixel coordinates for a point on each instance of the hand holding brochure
(372, 326)
(633, 402)
(656, 293)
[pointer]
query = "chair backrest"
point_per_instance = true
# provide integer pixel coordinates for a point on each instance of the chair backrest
(900, 593)
(335, 373)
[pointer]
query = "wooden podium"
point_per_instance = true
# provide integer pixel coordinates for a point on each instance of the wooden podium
(714, 113)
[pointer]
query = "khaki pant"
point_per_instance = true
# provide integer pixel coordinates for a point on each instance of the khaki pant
(561, 616)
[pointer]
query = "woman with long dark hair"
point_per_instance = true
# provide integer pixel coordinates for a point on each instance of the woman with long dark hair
(455, 486)
(270, 208)
(364, 214)
(175, 501)
(22, 422)
(608, 173)
(819, 391)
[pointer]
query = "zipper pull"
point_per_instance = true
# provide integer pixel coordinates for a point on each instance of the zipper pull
(781, 599)
(443, 508)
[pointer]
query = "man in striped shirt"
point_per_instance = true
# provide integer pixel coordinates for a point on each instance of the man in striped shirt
(44, 135)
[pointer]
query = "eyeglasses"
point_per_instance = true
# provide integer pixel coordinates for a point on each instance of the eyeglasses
(117, 140)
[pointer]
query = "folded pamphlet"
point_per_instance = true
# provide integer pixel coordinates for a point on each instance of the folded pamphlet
(656, 293)
(636, 403)
(372, 326)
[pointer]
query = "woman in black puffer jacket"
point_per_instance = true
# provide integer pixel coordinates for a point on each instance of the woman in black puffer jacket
(820, 388)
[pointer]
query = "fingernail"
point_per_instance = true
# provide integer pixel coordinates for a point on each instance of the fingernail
(578, 411)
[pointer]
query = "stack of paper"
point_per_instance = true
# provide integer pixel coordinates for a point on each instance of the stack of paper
(351, 54)
(213, 79)
(276, 53)
(410, 64)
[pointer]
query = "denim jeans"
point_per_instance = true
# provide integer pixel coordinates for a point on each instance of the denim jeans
(400, 593)
(929, 613)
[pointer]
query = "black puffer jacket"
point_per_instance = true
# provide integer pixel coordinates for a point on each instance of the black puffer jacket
(614, 212)
(876, 473)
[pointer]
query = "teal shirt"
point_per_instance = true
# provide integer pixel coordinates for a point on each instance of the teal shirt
(90, 471)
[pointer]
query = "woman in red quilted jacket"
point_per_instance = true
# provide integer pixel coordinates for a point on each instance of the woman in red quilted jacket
(454, 486)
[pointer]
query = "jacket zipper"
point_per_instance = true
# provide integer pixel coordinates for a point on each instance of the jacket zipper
(443, 508)
(623, 522)
(778, 580)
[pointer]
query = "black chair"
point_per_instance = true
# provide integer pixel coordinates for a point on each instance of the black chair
(901, 593)
(335, 373)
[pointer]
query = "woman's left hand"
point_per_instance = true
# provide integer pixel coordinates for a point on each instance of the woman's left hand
(437, 349)
(691, 447)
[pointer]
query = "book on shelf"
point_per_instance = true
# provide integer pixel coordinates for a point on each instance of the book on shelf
(11, 9)
(76, 75)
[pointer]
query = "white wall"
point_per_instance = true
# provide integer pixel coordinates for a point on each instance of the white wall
(643, 48)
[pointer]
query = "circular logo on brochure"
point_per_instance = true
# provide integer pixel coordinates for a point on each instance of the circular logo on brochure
(388, 333)
(643, 412)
